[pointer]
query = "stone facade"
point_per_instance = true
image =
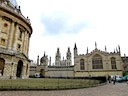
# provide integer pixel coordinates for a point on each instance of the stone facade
(125, 63)
(15, 33)
(95, 63)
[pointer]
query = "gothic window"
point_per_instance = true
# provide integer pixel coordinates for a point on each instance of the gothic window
(113, 63)
(82, 64)
(97, 62)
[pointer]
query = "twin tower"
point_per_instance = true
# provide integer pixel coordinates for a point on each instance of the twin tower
(58, 61)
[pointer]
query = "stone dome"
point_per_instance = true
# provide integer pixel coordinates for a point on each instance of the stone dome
(14, 2)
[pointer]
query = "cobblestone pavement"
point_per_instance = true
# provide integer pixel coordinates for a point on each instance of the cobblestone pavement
(119, 89)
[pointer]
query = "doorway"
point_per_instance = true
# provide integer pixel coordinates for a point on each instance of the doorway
(19, 68)
(2, 63)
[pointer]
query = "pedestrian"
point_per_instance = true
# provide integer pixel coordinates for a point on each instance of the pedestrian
(114, 79)
(109, 78)
(127, 80)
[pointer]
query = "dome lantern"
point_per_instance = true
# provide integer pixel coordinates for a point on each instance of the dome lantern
(14, 2)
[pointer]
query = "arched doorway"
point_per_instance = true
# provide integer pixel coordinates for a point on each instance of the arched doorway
(2, 63)
(19, 69)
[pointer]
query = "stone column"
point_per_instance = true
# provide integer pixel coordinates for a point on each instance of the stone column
(14, 70)
(26, 48)
(15, 38)
(23, 42)
(11, 32)
(27, 70)
(28, 43)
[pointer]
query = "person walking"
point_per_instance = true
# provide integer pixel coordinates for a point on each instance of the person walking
(127, 80)
(114, 79)
(109, 78)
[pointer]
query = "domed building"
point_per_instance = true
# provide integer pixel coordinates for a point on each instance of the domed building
(15, 33)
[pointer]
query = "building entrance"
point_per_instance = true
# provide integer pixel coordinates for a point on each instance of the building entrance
(2, 63)
(19, 68)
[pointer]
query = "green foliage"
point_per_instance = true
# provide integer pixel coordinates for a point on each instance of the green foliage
(125, 73)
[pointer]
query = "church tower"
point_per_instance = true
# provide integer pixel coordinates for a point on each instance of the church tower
(58, 58)
(68, 56)
(75, 50)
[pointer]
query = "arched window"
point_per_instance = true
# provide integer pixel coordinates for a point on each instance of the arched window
(113, 63)
(82, 64)
(97, 62)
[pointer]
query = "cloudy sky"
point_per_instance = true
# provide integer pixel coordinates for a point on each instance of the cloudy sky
(61, 23)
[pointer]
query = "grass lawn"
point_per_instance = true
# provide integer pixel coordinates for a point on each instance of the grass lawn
(46, 83)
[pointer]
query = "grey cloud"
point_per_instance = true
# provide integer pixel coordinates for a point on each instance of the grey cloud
(57, 24)
(53, 26)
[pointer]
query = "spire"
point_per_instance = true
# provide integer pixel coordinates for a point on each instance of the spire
(37, 60)
(87, 50)
(68, 53)
(58, 55)
(68, 49)
(58, 50)
(50, 61)
(105, 49)
(75, 47)
(119, 48)
(44, 53)
(95, 45)
(75, 50)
